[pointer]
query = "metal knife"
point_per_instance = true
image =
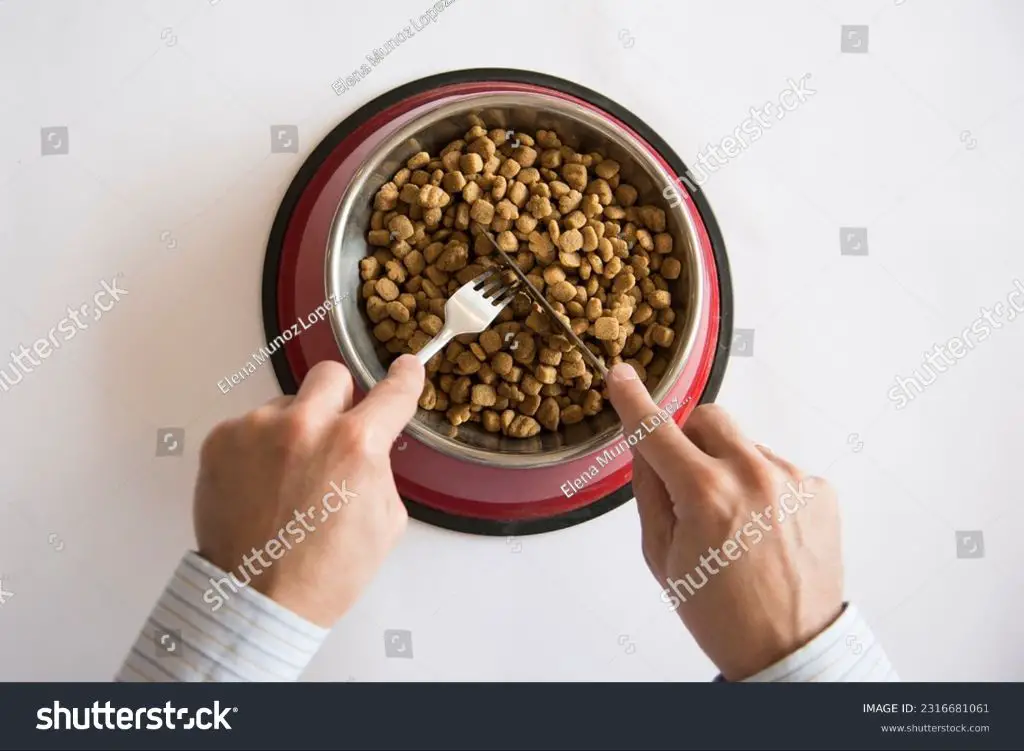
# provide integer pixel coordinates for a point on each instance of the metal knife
(590, 357)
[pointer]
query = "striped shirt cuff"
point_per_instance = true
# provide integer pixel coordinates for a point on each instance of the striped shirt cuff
(243, 636)
(845, 652)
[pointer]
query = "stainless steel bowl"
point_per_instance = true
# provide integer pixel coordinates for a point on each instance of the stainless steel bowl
(430, 130)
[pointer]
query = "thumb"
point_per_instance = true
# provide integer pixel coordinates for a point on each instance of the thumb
(392, 403)
(665, 447)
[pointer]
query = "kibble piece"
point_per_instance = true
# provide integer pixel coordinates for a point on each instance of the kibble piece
(662, 335)
(471, 164)
(546, 374)
(432, 197)
(490, 421)
(380, 238)
(523, 426)
(575, 176)
(539, 207)
(369, 268)
(572, 415)
(530, 385)
(490, 341)
(421, 159)
(431, 324)
(570, 241)
(572, 369)
(563, 291)
(428, 397)
(502, 363)
(607, 169)
(525, 155)
(483, 395)
(458, 414)
(398, 312)
(385, 330)
(454, 257)
(606, 328)
(376, 309)
(460, 390)
(466, 363)
(386, 289)
(659, 299)
(548, 413)
(454, 182)
(509, 168)
(387, 197)
(550, 356)
(482, 211)
(671, 268)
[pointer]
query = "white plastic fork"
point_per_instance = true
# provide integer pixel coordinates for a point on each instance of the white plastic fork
(471, 309)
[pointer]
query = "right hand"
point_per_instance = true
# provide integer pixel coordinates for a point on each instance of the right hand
(745, 546)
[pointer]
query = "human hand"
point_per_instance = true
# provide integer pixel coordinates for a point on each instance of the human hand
(298, 495)
(706, 490)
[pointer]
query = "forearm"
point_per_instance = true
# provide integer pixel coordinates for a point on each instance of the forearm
(243, 636)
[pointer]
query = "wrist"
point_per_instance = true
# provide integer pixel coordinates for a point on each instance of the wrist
(774, 646)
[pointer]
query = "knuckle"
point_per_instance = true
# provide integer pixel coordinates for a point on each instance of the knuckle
(330, 369)
(216, 441)
(709, 414)
(355, 437)
(294, 429)
(710, 482)
(762, 476)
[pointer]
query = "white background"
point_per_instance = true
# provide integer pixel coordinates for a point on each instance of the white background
(169, 181)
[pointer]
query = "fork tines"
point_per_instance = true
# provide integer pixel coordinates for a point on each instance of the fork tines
(493, 287)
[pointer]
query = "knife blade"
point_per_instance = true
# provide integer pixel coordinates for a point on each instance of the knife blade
(534, 293)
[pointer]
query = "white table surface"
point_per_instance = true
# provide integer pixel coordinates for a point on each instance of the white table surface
(169, 181)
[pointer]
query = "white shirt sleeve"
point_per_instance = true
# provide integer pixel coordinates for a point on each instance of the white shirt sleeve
(248, 637)
(845, 652)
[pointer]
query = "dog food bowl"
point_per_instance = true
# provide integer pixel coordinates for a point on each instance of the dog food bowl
(464, 478)
(431, 126)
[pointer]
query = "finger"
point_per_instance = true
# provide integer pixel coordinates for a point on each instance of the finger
(778, 461)
(656, 515)
(717, 434)
(273, 408)
(665, 448)
(392, 403)
(327, 389)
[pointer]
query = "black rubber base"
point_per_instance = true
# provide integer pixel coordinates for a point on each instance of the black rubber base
(289, 385)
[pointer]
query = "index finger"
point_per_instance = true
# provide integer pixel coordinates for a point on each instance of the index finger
(664, 448)
(392, 403)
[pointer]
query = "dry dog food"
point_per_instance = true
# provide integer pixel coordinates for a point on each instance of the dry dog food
(572, 225)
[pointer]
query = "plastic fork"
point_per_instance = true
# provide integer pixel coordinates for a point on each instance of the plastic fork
(471, 309)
